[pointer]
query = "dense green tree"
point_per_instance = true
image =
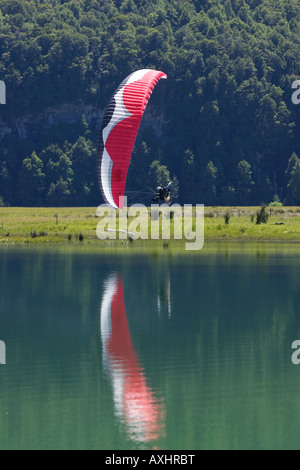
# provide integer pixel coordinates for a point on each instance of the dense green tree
(32, 180)
(293, 186)
(228, 196)
(188, 176)
(159, 174)
(226, 104)
(291, 165)
(210, 184)
(59, 193)
(243, 182)
(5, 181)
(81, 154)
(59, 176)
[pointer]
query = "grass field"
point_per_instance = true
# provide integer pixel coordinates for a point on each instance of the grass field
(78, 225)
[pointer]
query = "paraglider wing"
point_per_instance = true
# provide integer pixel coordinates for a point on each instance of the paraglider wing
(119, 129)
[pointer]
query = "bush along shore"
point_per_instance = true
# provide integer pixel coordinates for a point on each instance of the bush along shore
(78, 225)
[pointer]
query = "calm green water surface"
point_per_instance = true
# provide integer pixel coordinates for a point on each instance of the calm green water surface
(141, 351)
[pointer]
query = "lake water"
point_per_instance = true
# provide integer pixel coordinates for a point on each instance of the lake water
(159, 351)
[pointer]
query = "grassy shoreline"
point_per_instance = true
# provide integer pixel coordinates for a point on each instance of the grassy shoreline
(78, 225)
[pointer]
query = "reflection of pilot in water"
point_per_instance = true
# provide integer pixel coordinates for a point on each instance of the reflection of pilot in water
(164, 296)
(135, 402)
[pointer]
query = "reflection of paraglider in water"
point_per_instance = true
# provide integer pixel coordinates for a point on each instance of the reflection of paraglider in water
(135, 403)
(119, 129)
(163, 280)
(164, 296)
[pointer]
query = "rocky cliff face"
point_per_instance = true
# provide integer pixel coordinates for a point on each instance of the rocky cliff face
(67, 113)
(70, 114)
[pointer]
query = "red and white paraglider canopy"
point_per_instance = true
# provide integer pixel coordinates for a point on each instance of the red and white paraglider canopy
(119, 129)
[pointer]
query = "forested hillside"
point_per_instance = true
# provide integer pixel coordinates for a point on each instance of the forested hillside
(223, 125)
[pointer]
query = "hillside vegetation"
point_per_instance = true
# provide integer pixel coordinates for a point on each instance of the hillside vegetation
(222, 126)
